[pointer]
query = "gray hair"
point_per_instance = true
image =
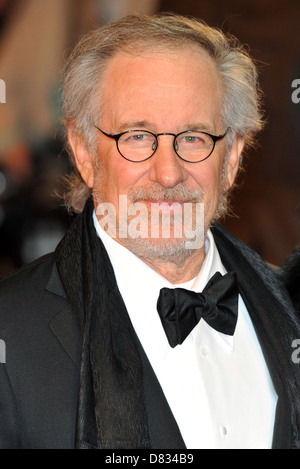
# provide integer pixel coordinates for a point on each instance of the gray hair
(86, 64)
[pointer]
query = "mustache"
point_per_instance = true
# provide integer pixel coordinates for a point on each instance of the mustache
(179, 193)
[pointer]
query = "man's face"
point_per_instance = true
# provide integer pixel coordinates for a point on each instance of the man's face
(162, 92)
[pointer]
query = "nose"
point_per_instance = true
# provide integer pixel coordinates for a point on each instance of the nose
(167, 169)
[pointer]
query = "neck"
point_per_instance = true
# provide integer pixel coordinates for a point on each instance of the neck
(178, 273)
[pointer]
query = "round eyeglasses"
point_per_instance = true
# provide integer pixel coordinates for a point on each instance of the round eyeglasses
(139, 145)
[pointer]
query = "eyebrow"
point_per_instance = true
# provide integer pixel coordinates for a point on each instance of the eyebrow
(135, 125)
(147, 125)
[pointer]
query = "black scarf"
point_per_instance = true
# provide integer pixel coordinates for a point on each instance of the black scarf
(111, 409)
(290, 276)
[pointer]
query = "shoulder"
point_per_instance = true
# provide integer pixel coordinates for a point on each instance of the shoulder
(28, 276)
(28, 293)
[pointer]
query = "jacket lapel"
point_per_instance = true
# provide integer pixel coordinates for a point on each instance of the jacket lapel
(63, 324)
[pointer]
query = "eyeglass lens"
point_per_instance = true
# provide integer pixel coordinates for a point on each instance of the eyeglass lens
(139, 145)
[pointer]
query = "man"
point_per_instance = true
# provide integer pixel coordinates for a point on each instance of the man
(149, 327)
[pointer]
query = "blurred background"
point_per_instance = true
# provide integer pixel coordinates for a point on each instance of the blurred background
(36, 35)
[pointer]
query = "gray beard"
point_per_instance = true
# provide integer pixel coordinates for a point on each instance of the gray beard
(174, 250)
(171, 249)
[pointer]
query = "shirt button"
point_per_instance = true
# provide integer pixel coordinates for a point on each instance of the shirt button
(223, 430)
(203, 351)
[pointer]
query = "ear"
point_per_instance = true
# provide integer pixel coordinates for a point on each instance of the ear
(233, 162)
(83, 158)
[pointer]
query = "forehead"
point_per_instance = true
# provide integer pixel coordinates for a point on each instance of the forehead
(163, 87)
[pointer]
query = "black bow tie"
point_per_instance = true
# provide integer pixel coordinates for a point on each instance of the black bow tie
(180, 310)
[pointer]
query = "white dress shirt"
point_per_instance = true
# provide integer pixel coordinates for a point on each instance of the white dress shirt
(217, 386)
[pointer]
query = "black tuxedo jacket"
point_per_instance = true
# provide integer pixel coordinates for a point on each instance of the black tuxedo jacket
(39, 379)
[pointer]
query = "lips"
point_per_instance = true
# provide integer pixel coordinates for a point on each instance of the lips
(157, 195)
(163, 205)
(164, 202)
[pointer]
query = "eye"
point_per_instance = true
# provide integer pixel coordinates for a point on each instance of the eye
(194, 141)
(191, 139)
(137, 138)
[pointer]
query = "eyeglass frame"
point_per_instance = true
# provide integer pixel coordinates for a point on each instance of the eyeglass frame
(116, 137)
